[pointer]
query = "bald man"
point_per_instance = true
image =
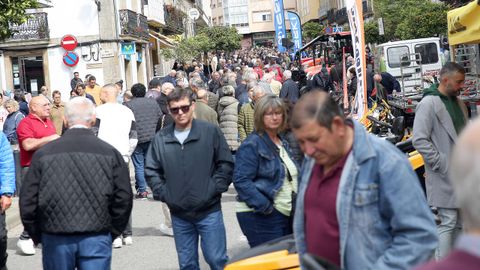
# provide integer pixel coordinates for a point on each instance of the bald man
(202, 110)
(116, 126)
(34, 131)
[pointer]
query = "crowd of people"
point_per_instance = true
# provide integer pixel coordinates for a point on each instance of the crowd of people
(297, 163)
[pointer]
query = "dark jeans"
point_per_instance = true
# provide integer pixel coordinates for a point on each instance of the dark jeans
(18, 171)
(85, 251)
(213, 241)
(24, 235)
(259, 228)
(3, 242)
(138, 159)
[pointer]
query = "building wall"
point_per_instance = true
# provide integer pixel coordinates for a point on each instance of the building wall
(261, 14)
(97, 33)
(309, 9)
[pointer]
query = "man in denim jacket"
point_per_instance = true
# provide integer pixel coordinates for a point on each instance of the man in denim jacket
(359, 205)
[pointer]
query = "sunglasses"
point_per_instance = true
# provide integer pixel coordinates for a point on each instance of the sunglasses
(184, 109)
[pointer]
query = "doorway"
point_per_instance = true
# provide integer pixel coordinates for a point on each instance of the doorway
(28, 73)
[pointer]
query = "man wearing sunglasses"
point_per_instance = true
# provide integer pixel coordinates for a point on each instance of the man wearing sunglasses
(188, 166)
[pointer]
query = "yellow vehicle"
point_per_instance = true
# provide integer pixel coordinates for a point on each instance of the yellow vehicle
(282, 254)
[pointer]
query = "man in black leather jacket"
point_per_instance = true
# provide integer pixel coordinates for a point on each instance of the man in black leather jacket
(188, 166)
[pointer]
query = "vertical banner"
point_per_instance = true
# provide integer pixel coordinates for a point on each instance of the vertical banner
(296, 29)
(346, 100)
(279, 22)
(355, 18)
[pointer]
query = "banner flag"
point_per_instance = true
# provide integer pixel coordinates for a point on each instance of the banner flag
(346, 101)
(355, 18)
(296, 30)
(279, 22)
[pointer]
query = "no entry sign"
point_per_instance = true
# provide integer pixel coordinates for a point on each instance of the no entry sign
(70, 59)
(69, 42)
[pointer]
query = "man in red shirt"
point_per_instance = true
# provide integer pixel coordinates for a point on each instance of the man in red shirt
(34, 131)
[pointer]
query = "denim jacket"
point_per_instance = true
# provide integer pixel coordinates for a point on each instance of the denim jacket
(384, 219)
(258, 173)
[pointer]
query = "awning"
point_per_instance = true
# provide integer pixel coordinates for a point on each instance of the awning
(162, 39)
(464, 24)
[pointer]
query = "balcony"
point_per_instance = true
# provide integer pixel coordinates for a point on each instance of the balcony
(133, 25)
(173, 20)
(341, 16)
(34, 29)
(154, 12)
(367, 7)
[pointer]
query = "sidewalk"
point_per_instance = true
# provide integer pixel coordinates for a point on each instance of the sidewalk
(13, 215)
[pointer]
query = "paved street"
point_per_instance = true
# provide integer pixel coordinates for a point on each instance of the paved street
(150, 250)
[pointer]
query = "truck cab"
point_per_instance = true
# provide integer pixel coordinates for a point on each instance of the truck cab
(412, 62)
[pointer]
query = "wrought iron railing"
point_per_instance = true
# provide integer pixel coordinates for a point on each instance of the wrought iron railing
(35, 28)
(133, 24)
(174, 20)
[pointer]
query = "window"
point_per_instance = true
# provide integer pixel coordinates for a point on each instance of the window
(428, 52)
(394, 54)
(262, 16)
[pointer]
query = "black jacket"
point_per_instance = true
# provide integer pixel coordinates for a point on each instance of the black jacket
(289, 90)
(76, 184)
(166, 118)
(389, 82)
(190, 177)
(147, 114)
(322, 80)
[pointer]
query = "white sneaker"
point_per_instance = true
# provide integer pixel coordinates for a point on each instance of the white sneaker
(117, 243)
(166, 230)
(26, 246)
(127, 240)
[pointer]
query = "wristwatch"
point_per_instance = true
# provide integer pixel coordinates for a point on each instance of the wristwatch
(9, 195)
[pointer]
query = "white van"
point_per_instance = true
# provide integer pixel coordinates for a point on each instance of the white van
(411, 61)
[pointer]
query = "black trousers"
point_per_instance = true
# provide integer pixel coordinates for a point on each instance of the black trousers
(3, 242)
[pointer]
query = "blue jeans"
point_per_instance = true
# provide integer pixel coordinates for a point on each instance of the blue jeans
(86, 251)
(259, 228)
(448, 231)
(213, 241)
(138, 159)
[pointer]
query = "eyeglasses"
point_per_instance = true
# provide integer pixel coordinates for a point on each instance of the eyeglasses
(184, 109)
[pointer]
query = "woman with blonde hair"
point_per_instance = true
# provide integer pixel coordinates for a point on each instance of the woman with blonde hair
(265, 176)
(10, 129)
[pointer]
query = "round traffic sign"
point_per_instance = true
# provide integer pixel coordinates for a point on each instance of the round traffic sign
(193, 13)
(69, 42)
(71, 59)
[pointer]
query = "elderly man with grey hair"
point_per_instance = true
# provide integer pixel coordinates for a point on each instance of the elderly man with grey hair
(241, 92)
(171, 77)
(197, 84)
(246, 114)
(465, 179)
(77, 191)
(289, 89)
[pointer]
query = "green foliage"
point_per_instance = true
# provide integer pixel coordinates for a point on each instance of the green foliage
(219, 38)
(224, 38)
(311, 30)
(13, 11)
(407, 19)
(189, 48)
